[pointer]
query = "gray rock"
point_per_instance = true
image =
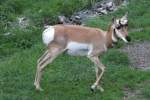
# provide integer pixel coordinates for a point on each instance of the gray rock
(23, 22)
(109, 4)
(104, 11)
(77, 17)
(100, 8)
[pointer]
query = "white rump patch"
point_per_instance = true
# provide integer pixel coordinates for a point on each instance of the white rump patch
(82, 49)
(48, 35)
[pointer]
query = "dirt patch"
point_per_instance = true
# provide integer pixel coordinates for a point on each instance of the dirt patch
(130, 94)
(141, 92)
(139, 54)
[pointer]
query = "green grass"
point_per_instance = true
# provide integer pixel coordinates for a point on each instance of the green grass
(70, 78)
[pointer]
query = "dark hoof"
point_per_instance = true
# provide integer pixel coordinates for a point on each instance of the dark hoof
(93, 89)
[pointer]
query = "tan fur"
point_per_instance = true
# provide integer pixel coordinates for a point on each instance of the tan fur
(64, 34)
(94, 36)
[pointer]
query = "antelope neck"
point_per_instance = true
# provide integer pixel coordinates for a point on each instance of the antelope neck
(109, 34)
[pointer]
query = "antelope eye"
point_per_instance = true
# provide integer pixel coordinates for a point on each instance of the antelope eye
(126, 25)
(118, 27)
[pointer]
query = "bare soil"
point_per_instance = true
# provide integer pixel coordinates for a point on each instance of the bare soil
(139, 54)
(137, 93)
(130, 94)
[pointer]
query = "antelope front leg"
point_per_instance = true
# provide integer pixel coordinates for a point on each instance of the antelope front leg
(98, 72)
(99, 66)
(96, 84)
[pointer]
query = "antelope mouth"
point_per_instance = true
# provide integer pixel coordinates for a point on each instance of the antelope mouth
(128, 38)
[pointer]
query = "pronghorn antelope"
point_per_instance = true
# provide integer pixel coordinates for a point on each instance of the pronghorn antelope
(81, 41)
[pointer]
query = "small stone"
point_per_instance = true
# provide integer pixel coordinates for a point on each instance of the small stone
(6, 34)
(104, 11)
(77, 17)
(61, 19)
(99, 10)
(23, 22)
(109, 4)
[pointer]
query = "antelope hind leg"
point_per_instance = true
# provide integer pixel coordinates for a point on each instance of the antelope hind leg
(48, 58)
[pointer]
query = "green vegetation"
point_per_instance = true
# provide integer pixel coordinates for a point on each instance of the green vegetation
(38, 12)
(67, 78)
(138, 19)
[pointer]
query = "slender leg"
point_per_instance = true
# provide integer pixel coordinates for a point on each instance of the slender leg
(39, 71)
(42, 56)
(99, 65)
(48, 58)
(39, 60)
(97, 70)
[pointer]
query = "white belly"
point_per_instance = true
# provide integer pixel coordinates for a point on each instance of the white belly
(82, 49)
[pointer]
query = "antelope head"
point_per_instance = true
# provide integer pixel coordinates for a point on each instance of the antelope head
(120, 29)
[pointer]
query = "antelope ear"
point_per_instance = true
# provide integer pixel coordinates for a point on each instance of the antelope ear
(125, 17)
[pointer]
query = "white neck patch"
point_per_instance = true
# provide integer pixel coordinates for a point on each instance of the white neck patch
(114, 38)
(121, 36)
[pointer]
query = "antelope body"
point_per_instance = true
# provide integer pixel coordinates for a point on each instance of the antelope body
(76, 39)
(80, 41)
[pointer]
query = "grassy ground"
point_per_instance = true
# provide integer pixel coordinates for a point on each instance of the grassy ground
(70, 78)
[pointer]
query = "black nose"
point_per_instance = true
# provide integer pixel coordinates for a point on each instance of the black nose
(128, 38)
